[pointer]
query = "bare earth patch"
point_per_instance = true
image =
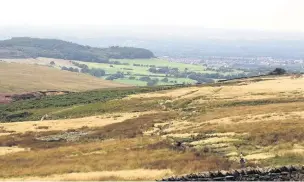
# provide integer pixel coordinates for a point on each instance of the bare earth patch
(9, 150)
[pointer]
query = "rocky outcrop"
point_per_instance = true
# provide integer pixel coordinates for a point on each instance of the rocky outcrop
(285, 173)
(67, 136)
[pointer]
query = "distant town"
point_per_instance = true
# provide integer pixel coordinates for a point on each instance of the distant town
(244, 63)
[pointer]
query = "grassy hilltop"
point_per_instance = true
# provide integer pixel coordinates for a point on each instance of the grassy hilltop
(18, 78)
(133, 133)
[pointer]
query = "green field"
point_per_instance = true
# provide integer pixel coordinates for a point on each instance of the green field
(144, 70)
(131, 70)
(143, 83)
(134, 69)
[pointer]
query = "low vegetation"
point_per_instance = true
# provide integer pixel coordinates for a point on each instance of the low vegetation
(176, 129)
(90, 102)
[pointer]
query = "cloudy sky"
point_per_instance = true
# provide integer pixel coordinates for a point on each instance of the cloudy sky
(273, 15)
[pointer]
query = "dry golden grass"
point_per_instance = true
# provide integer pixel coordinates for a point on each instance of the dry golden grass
(214, 140)
(210, 122)
(177, 93)
(120, 175)
(254, 129)
(243, 111)
(249, 91)
(66, 124)
(41, 61)
(258, 118)
(117, 155)
(18, 78)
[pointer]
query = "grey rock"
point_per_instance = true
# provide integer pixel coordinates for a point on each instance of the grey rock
(67, 136)
(219, 179)
(229, 178)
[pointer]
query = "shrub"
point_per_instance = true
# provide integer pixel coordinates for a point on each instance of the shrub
(278, 71)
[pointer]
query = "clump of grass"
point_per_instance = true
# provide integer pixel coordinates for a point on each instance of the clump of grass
(260, 93)
(130, 128)
(42, 127)
(286, 159)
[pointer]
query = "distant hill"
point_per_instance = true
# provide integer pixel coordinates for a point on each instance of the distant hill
(26, 47)
(19, 78)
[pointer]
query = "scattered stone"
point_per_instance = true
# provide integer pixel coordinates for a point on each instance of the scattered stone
(284, 173)
(67, 136)
(229, 178)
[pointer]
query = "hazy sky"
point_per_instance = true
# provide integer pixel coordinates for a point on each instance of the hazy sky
(274, 15)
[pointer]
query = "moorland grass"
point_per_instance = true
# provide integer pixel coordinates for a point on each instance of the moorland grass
(95, 101)
(109, 155)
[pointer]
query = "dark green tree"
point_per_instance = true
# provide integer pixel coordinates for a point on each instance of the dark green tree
(165, 79)
(278, 71)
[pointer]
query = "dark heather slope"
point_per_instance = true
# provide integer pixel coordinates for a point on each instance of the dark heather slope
(285, 173)
(26, 47)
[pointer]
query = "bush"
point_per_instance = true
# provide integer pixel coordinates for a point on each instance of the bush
(278, 71)
(115, 76)
(145, 78)
(97, 72)
(165, 79)
(152, 82)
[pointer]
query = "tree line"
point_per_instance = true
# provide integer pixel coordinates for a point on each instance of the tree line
(26, 47)
(97, 72)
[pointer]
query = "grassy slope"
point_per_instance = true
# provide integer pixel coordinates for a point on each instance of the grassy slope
(260, 118)
(16, 78)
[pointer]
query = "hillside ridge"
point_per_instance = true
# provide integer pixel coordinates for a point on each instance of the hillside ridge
(22, 78)
(27, 47)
